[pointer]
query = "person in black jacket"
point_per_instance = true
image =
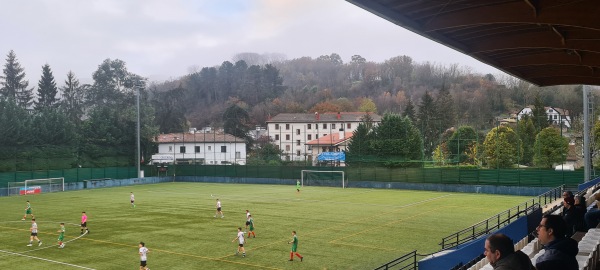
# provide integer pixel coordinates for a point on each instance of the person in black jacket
(560, 251)
(500, 252)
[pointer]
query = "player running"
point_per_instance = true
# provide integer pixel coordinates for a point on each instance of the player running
(294, 243)
(298, 186)
(27, 211)
(240, 238)
(251, 224)
(84, 223)
(61, 236)
(143, 251)
(132, 200)
(34, 233)
(219, 209)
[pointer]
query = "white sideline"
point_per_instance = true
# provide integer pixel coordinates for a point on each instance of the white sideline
(52, 261)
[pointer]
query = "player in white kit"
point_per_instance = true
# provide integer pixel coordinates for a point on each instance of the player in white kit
(143, 256)
(240, 238)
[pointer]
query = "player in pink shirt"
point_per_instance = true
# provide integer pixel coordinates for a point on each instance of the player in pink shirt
(84, 223)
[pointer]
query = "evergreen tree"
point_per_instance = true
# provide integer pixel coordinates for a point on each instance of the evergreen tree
(409, 111)
(501, 148)
(459, 143)
(540, 118)
(73, 98)
(428, 123)
(526, 131)
(236, 121)
(14, 85)
(46, 90)
(445, 109)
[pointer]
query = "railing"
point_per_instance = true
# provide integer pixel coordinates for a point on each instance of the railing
(406, 262)
(500, 220)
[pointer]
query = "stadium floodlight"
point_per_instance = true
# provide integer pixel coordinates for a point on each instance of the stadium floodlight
(312, 177)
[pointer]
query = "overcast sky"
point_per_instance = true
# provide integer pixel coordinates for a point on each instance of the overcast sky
(163, 39)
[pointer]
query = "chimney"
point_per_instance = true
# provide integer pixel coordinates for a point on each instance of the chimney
(339, 116)
(317, 116)
(342, 134)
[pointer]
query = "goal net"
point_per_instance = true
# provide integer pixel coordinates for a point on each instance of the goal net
(36, 186)
(323, 178)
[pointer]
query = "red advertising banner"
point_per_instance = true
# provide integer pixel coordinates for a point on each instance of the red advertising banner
(30, 190)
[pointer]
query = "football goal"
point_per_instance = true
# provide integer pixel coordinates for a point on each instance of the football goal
(323, 178)
(36, 186)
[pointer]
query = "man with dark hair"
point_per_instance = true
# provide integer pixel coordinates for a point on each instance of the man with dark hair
(500, 252)
(560, 251)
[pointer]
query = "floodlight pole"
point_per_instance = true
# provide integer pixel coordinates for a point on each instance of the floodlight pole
(138, 159)
(587, 167)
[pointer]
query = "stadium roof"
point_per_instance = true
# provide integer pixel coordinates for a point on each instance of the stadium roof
(549, 42)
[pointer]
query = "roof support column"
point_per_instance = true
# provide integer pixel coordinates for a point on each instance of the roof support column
(586, 134)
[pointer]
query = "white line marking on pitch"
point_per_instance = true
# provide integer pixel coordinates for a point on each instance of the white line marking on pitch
(52, 261)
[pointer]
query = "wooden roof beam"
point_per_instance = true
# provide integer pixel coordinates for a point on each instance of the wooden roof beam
(562, 37)
(535, 9)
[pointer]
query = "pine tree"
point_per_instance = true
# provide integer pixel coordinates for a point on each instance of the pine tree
(445, 108)
(540, 118)
(14, 85)
(73, 98)
(409, 111)
(46, 90)
(428, 123)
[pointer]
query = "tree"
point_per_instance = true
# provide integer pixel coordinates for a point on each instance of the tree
(14, 85)
(540, 118)
(445, 108)
(236, 121)
(460, 142)
(550, 148)
(358, 147)
(501, 148)
(325, 106)
(527, 133)
(169, 114)
(113, 84)
(396, 141)
(428, 122)
(46, 90)
(266, 153)
(367, 105)
(73, 99)
(409, 111)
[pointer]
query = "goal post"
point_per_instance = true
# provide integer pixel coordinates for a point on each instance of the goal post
(36, 186)
(314, 177)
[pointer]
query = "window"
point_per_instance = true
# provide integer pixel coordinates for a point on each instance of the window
(197, 149)
(287, 126)
(277, 137)
(324, 149)
(238, 155)
(297, 131)
(316, 136)
(348, 126)
(309, 126)
(276, 126)
(210, 149)
(309, 136)
(182, 149)
(332, 126)
(287, 137)
(287, 147)
(223, 149)
(324, 134)
(297, 152)
(297, 142)
(324, 126)
(170, 148)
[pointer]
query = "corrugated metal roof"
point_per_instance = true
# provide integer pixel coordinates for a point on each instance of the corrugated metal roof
(331, 139)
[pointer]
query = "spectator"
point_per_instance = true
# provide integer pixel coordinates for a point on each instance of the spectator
(592, 217)
(560, 251)
(569, 215)
(566, 194)
(500, 252)
(580, 210)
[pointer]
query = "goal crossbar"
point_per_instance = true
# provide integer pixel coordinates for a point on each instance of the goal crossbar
(33, 186)
(305, 172)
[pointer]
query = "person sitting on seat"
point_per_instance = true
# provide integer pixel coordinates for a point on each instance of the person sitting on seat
(560, 251)
(500, 252)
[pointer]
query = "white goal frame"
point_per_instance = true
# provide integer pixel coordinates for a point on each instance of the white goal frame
(46, 184)
(315, 171)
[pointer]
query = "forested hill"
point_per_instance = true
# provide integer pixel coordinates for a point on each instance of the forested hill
(264, 85)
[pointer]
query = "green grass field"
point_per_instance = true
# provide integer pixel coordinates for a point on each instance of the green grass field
(337, 228)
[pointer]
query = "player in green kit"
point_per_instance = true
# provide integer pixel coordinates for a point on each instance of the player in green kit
(27, 211)
(294, 243)
(298, 185)
(251, 224)
(61, 236)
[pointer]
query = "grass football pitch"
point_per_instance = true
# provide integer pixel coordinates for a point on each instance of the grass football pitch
(337, 228)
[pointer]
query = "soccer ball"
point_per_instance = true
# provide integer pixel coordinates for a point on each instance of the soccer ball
(211, 195)
(62, 245)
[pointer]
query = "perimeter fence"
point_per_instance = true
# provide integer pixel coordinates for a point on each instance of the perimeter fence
(494, 177)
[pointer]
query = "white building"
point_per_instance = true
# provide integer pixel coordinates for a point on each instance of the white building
(200, 148)
(555, 115)
(291, 131)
